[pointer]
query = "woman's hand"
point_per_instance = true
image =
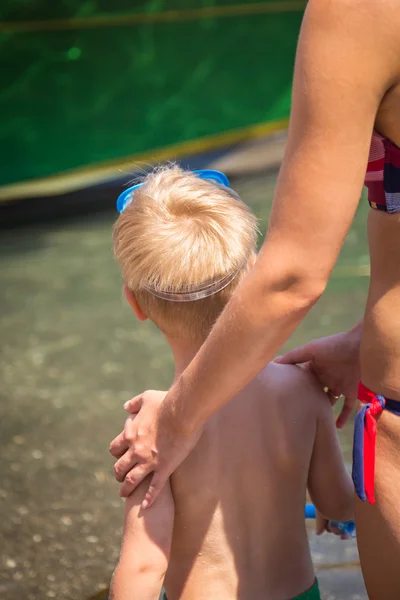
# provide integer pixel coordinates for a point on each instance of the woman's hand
(334, 360)
(153, 441)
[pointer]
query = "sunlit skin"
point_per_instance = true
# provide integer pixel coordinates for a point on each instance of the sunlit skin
(229, 527)
(346, 82)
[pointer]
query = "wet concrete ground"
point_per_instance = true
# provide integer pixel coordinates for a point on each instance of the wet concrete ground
(72, 353)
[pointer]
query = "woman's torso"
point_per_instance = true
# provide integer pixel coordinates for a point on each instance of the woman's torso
(380, 348)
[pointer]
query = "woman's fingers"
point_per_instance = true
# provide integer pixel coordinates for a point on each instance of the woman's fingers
(129, 458)
(157, 483)
(124, 465)
(123, 441)
(346, 412)
(133, 479)
(299, 355)
(146, 438)
(119, 446)
(134, 404)
(332, 397)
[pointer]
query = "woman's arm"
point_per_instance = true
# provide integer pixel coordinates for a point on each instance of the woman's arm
(343, 68)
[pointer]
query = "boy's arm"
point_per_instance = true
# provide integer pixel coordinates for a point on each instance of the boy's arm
(145, 547)
(329, 484)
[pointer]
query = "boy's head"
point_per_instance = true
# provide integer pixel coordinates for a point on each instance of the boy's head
(180, 234)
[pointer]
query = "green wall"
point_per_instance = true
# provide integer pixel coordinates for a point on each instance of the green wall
(80, 92)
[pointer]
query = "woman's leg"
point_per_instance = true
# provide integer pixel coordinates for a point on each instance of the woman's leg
(378, 525)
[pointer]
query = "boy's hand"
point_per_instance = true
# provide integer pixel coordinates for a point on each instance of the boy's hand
(334, 360)
(322, 525)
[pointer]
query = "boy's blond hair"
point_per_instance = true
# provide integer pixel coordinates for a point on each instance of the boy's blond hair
(179, 232)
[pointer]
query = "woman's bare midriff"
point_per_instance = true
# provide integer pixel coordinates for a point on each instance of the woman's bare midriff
(380, 346)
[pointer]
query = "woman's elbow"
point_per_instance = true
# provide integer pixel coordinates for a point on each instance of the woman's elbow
(307, 289)
(295, 274)
(300, 289)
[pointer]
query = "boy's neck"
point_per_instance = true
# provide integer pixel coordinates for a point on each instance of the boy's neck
(184, 351)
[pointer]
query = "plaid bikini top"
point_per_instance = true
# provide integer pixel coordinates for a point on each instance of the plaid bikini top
(383, 174)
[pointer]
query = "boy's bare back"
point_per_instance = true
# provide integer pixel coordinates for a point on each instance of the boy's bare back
(237, 524)
(239, 497)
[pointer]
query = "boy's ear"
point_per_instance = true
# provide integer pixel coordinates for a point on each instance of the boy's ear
(130, 296)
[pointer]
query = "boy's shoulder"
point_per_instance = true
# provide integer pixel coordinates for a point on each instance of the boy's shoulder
(295, 385)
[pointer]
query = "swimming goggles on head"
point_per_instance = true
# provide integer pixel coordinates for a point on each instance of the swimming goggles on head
(126, 197)
(192, 292)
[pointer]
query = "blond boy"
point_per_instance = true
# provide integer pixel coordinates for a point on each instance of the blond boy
(230, 524)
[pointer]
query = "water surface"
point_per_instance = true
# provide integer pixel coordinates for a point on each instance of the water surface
(72, 353)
